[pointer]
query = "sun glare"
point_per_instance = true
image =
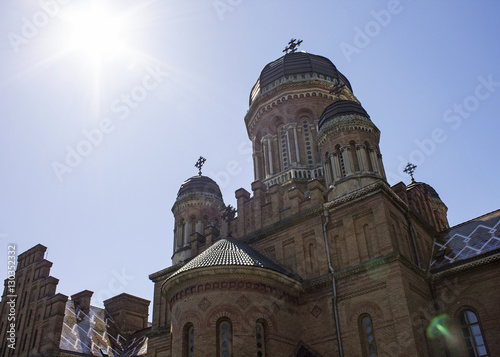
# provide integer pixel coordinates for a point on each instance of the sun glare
(96, 32)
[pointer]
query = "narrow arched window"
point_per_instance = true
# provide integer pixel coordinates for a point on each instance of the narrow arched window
(473, 336)
(368, 156)
(225, 338)
(284, 147)
(367, 336)
(188, 340)
(341, 160)
(354, 156)
(260, 336)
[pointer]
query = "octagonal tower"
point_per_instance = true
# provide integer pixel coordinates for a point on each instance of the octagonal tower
(282, 122)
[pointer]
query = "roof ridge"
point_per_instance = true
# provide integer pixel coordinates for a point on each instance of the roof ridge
(470, 221)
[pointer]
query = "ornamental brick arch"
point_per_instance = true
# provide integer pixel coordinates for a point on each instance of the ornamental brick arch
(466, 303)
(256, 313)
(190, 316)
(224, 311)
(364, 307)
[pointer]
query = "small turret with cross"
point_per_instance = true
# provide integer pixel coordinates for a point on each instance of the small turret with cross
(410, 169)
(292, 46)
(199, 164)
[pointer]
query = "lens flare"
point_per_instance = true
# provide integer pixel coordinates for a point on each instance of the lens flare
(439, 327)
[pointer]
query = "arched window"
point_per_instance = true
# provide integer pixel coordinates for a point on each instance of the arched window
(367, 336)
(260, 335)
(368, 156)
(341, 160)
(224, 338)
(308, 141)
(473, 336)
(188, 345)
(284, 147)
(354, 156)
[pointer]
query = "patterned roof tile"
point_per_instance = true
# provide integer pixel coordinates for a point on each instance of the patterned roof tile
(231, 252)
(467, 240)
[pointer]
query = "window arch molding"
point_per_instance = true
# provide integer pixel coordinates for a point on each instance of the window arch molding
(224, 337)
(472, 333)
(261, 337)
(188, 340)
(367, 335)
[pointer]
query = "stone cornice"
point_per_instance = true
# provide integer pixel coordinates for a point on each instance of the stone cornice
(317, 283)
(197, 199)
(362, 291)
(162, 330)
(289, 91)
(381, 186)
(212, 278)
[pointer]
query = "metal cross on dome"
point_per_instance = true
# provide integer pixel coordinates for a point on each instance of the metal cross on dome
(410, 169)
(292, 46)
(199, 164)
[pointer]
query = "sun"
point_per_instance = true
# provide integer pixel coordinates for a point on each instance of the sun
(96, 32)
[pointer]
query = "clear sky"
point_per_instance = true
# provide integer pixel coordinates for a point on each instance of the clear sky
(141, 89)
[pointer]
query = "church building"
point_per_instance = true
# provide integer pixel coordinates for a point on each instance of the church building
(322, 258)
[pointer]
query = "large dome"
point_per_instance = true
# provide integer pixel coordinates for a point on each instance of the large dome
(294, 64)
(199, 184)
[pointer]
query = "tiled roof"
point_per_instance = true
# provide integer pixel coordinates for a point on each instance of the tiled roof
(94, 332)
(231, 252)
(467, 240)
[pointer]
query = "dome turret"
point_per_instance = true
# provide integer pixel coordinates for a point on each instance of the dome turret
(197, 207)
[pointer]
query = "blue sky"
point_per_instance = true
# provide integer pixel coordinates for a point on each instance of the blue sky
(427, 72)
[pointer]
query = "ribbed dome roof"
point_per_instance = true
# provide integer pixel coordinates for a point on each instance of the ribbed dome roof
(342, 107)
(230, 252)
(427, 189)
(199, 184)
(293, 64)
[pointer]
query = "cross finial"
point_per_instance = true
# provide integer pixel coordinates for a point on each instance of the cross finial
(199, 164)
(410, 169)
(292, 46)
(228, 213)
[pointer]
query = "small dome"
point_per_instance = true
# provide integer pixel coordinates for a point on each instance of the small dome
(342, 107)
(199, 184)
(426, 188)
(297, 63)
(230, 252)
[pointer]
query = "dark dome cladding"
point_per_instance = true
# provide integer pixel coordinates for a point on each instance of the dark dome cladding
(295, 63)
(427, 189)
(342, 107)
(199, 184)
